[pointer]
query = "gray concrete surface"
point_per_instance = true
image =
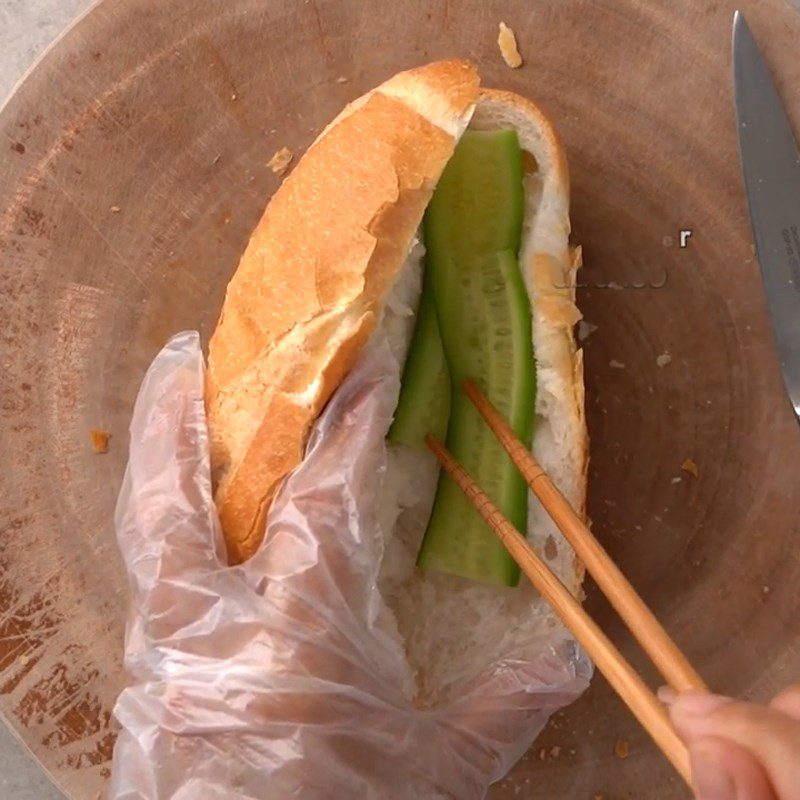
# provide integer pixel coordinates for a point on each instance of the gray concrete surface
(26, 28)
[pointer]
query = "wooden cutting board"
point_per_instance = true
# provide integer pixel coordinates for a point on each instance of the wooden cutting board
(132, 168)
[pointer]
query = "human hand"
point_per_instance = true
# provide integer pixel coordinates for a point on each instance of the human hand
(741, 751)
(276, 678)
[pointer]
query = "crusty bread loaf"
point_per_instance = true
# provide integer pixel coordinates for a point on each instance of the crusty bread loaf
(332, 260)
(311, 284)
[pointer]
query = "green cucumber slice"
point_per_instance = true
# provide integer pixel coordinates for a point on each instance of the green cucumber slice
(478, 204)
(424, 403)
(472, 234)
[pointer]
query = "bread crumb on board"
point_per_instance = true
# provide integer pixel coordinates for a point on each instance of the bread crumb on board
(99, 440)
(614, 364)
(621, 748)
(664, 359)
(690, 467)
(507, 42)
(115, 209)
(341, 79)
(280, 161)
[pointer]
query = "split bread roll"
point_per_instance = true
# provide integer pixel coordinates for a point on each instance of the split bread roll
(311, 284)
(334, 256)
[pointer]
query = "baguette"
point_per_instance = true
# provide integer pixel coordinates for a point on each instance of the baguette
(334, 253)
(310, 286)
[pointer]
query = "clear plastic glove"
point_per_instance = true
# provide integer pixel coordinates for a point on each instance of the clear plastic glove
(274, 679)
(741, 751)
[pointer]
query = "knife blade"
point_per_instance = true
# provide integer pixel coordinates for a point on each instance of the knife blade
(771, 171)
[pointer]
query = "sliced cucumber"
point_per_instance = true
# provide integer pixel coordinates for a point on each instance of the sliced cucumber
(424, 404)
(478, 204)
(472, 234)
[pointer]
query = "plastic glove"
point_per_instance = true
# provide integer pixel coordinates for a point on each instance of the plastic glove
(274, 679)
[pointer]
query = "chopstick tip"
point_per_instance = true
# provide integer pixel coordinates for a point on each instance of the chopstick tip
(432, 442)
(437, 448)
(470, 388)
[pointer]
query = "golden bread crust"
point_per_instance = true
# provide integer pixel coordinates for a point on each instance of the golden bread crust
(310, 285)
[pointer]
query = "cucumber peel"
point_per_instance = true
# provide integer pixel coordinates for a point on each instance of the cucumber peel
(424, 403)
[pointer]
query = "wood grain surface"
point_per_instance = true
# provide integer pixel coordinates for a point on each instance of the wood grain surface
(133, 164)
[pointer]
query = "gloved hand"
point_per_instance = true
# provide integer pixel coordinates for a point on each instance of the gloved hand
(274, 679)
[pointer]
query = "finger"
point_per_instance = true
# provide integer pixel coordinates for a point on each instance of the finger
(165, 518)
(320, 528)
(722, 770)
(788, 702)
(317, 566)
(769, 735)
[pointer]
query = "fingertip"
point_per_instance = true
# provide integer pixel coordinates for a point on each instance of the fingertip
(690, 711)
(170, 396)
(165, 515)
(667, 695)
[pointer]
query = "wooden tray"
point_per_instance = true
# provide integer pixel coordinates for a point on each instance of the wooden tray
(133, 168)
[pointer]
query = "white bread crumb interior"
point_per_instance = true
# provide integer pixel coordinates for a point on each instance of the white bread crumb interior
(453, 628)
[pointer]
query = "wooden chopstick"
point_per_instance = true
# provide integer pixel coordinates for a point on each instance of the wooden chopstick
(648, 631)
(622, 677)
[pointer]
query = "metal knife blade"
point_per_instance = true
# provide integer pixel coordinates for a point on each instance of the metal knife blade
(771, 169)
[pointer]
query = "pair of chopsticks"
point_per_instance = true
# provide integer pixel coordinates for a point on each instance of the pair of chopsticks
(647, 630)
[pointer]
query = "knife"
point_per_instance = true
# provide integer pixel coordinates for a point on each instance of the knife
(771, 170)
